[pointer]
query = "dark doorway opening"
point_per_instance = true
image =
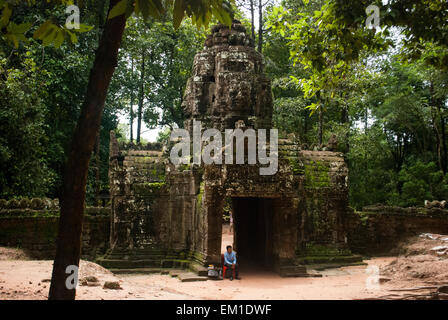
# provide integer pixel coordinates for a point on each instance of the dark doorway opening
(253, 236)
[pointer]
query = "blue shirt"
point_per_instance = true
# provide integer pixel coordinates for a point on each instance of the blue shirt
(229, 258)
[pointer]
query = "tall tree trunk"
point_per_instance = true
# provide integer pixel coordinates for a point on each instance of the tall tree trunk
(98, 165)
(100, 9)
(141, 97)
(366, 120)
(321, 125)
(74, 184)
(442, 151)
(305, 127)
(131, 108)
(320, 130)
(438, 142)
(252, 19)
(260, 25)
(436, 117)
(345, 119)
(443, 138)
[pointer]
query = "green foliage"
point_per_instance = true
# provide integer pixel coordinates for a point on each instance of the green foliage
(53, 32)
(201, 12)
(422, 182)
(419, 21)
(371, 176)
(394, 159)
(388, 113)
(388, 109)
(168, 56)
(24, 170)
(284, 108)
(49, 31)
(164, 136)
(62, 75)
(64, 57)
(323, 45)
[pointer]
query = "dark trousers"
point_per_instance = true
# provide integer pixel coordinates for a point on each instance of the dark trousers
(234, 270)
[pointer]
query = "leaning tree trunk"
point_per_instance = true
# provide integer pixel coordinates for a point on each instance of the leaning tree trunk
(83, 141)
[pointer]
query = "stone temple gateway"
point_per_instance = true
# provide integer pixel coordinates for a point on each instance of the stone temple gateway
(165, 216)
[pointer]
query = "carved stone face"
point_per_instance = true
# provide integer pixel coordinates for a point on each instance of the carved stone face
(228, 83)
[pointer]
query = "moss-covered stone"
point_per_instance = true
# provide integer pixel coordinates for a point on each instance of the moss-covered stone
(37, 234)
(13, 204)
(313, 249)
(297, 166)
(24, 203)
(148, 189)
(317, 175)
(377, 229)
(37, 204)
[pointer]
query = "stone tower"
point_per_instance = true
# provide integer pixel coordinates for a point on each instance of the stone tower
(228, 83)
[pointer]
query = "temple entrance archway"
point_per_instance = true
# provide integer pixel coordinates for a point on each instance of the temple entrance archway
(264, 231)
(253, 231)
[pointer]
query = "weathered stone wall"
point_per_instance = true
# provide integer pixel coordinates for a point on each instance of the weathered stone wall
(152, 202)
(137, 181)
(310, 200)
(32, 204)
(326, 196)
(35, 232)
(377, 230)
(321, 179)
(244, 181)
(182, 229)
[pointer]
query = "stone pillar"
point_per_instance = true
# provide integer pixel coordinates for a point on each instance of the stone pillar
(212, 210)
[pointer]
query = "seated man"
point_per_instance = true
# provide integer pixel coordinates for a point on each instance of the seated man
(230, 262)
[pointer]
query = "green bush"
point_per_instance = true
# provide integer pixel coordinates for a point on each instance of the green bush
(23, 167)
(422, 181)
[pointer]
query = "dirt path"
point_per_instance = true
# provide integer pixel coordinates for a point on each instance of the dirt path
(22, 279)
(342, 283)
(419, 262)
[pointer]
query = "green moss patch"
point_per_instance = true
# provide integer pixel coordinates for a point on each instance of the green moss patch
(148, 189)
(317, 175)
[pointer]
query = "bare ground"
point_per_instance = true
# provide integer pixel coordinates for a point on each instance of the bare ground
(23, 279)
(415, 266)
(421, 266)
